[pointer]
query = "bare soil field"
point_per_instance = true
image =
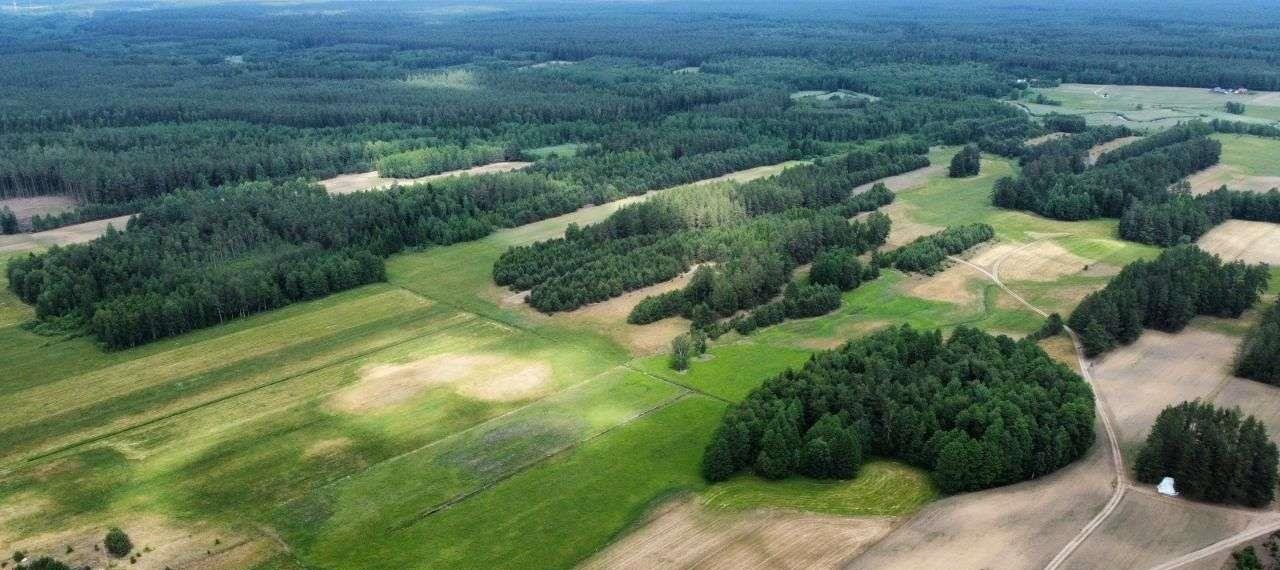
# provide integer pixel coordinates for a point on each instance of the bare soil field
(1159, 370)
(25, 208)
(684, 534)
(1021, 526)
(1108, 146)
(1254, 242)
(360, 182)
(1041, 261)
(78, 233)
(1149, 529)
(1255, 398)
(477, 376)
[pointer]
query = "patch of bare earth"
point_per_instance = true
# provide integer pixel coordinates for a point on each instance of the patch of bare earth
(1254, 242)
(362, 181)
(1021, 526)
(482, 377)
(1148, 529)
(1160, 370)
(683, 534)
(955, 285)
(78, 233)
(26, 208)
(1098, 150)
(158, 544)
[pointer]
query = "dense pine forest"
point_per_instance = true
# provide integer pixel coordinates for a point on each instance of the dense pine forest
(1259, 357)
(976, 410)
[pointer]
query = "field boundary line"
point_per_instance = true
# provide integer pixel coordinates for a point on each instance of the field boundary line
(458, 499)
(679, 385)
(225, 397)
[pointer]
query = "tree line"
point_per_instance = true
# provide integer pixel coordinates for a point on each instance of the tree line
(1259, 356)
(976, 410)
(1213, 454)
(1165, 294)
(925, 254)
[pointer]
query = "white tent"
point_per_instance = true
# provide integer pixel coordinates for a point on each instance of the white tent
(1166, 487)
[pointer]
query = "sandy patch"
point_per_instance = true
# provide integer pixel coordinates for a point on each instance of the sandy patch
(1099, 150)
(1041, 261)
(26, 208)
(1159, 370)
(483, 377)
(78, 233)
(158, 544)
(362, 181)
(1232, 177)
(1254, 242)
(683, 534)
(1020, 526)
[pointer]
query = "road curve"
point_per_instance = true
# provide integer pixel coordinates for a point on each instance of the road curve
(1117, 461)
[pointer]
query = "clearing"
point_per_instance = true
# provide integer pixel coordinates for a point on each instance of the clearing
(362, 181)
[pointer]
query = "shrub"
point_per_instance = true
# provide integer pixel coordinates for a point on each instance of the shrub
(118, 543)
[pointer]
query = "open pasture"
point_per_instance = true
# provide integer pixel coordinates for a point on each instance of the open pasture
(1248, 163)
(1143, 107)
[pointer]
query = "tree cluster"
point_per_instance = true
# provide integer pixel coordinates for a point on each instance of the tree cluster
(434, 160)
(1165, 294)
(1259, 357)
(1213, 454)
(926, 253)
(976, 410)
(965, 163)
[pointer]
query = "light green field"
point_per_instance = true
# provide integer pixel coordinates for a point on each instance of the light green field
(881, 488)
(1144, 107)
(248, 427)
(566, 150)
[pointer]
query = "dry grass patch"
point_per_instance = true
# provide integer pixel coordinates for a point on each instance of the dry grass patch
(477, 376)
(957, 284)
(1254, 398)
(159, 543)
(362, 181)
(683, 534)
(1041, 261)
(907, 180)
(1099, 150)
(1061, 348)
(77, 233)
(1254, 242)
(905, 228)
(1233, 177)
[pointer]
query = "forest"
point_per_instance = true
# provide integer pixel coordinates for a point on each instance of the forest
(1213, 454)
(1259, 357)
(976, 410)
(1165, 294)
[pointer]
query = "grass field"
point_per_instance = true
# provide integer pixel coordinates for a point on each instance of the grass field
(882, 488)
(1145, 107)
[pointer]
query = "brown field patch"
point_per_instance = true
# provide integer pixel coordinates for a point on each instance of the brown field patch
(362, 181)
(1160, 370)
(904, 228)
(1021, 526)
(907, 180)
(1254, 398)
(78, 233)
(1233, 177)
(1041, 261)
(1061, 348)
(158, 544)
(1254, 242)
(1149, 529)
(954, 285)
(482, 377)
(1098, 150)
(683, 534)
(26, 208)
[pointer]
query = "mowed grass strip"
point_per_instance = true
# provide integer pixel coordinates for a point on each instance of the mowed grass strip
(881, 488)
(555, 514)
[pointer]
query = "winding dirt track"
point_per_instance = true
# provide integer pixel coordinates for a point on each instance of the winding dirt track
(1117, 460)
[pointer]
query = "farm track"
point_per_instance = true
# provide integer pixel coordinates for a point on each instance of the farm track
(1117, 460)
